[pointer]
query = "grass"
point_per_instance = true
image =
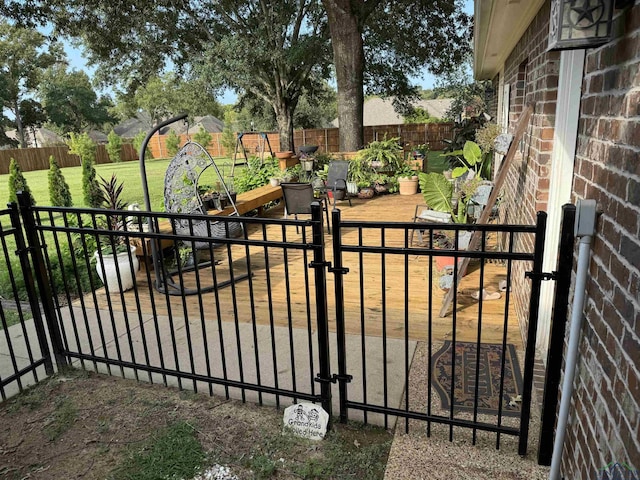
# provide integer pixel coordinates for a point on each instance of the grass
(12, 317)
(174, 452)
(61, 420)
(436, 162)
(127, 172)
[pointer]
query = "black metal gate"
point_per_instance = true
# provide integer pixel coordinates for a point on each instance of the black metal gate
(392, 287)
(24, 351)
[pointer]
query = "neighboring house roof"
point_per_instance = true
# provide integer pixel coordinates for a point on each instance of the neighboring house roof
(142, 123)
(378, 111)
(43, 137)
(130, 127)
(210, 123)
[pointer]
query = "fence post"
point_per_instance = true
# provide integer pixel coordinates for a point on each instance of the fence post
(338, 270)
(319, 265)
(25, 266)
(556, 340)
(536, 276)
(42, 277)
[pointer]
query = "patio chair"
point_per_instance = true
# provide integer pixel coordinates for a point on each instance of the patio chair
(181, 196)
(337, 180)
(298, 198)
(424, 214)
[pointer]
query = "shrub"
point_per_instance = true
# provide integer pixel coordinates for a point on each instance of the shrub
(172, 142)
(203, 137)
(83, 146)
(228, 138)
(256, 174)
(137, 144)
(17, 182)
(114, 147)
(59, 193)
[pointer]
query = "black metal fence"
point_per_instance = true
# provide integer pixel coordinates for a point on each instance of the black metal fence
(258, 327)
(257, 330)
(24, 352)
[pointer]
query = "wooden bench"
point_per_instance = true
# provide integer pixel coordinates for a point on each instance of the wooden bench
(245, 202)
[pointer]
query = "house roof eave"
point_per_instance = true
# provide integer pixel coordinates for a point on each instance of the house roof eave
(499, 24)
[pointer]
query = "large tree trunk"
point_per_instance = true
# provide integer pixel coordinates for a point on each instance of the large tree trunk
(348, 58)
(284, 119)
(19, 127)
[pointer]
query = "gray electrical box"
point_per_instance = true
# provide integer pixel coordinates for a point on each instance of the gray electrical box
(585, 218)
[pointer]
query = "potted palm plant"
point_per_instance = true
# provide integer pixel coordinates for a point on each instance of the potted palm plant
(116, 261)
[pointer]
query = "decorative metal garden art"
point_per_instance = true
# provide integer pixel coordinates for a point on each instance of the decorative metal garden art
(181, 197)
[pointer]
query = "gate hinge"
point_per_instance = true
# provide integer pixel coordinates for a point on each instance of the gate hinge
(27, 249)
(541, 275)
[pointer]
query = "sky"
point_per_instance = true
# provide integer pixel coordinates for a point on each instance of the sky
(77, 61)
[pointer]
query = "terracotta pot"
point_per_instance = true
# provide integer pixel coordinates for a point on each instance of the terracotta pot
(408, 185)
(284, 155)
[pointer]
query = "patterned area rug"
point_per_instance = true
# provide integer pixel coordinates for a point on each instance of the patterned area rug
(489, 378)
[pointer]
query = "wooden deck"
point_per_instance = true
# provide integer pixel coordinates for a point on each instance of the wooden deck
(289, 301)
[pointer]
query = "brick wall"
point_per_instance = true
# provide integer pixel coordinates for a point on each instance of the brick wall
(605, 425)
(532, 74)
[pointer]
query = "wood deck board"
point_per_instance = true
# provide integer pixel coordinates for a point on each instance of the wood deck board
(294, 312)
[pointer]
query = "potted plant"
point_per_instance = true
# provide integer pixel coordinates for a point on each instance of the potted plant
(407, 180)
(385, 155)
(116, 261)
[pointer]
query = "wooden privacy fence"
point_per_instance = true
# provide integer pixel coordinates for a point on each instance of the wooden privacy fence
(327, 139)
(31, 159)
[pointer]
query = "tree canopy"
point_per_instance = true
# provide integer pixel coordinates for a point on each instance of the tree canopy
(70, 102)
(267, 48)
(24, 55)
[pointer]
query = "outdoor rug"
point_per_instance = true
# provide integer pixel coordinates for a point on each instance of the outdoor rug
(489, 378)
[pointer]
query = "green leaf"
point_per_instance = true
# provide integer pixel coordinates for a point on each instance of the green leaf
(472, 153)
(455, 153)
(459, 171)
(437, 191)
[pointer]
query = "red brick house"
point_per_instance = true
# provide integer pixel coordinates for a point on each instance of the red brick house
(583, 142)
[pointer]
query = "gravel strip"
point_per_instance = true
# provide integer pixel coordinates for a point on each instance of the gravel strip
(416, 456)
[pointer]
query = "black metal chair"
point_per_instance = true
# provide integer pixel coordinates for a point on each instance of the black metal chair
(337, 180)
(298, 198)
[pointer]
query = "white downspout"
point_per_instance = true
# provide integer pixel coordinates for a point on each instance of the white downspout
(585, 229)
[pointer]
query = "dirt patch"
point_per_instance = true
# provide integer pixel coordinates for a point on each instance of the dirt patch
(85, 425)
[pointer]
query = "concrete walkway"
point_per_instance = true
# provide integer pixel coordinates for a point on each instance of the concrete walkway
(225, 351)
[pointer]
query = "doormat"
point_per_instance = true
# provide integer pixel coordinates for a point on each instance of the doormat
(489, 378)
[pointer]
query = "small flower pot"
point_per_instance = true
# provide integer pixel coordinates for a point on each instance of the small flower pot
(274, 182)
(284, 155)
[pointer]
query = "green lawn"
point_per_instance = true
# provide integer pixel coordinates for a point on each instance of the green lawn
(436, 162)
(127, 172)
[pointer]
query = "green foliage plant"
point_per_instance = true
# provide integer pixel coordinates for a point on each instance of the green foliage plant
(85, 148)
(114, 147)
(387, 154)
(361, 172)
(228, 138)
(441, 195)
(17, 182)
(137, 144)
(470, 158)
(256, 174)
(59, 193)
(172, 142)
(202, 137)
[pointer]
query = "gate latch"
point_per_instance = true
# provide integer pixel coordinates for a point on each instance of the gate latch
(334, 378)
(545, 276)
